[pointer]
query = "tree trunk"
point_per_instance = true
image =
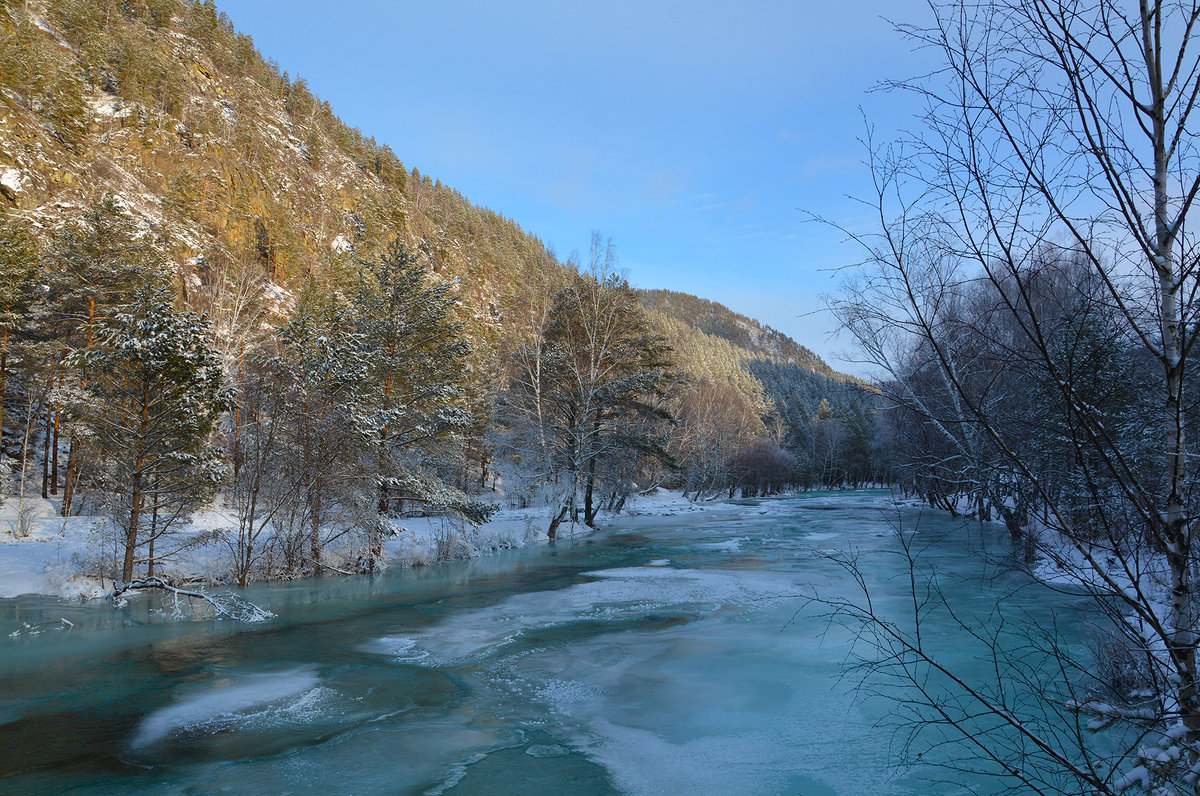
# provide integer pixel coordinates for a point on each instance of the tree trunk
(153, 532)
(69, 485)
(153, 528)
(46, 456)
(1176, 533)
(1182, 619)
(314, 539)
(483, 464)
(236, 455)
(131, 532)
(589, 507)
(244, 565)
(54, 452)
(552, 532)
(3, 385)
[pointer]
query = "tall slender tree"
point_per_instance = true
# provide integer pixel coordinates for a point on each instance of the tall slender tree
(412, 398)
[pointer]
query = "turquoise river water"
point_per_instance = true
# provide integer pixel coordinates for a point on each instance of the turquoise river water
(662, 655)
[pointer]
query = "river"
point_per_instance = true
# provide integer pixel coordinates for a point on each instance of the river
(666, 655)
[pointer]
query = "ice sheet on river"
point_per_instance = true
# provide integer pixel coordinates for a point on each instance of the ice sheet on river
(658, 710)
(618, 597)
(678, 663)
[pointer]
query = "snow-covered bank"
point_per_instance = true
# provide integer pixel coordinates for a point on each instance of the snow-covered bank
(42, 553)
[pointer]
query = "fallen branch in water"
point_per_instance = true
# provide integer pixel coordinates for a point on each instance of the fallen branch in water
(226, 604)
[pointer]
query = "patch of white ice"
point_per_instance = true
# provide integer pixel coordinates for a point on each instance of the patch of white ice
(218, 706)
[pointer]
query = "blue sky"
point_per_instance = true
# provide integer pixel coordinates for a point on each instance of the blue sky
(694, 134)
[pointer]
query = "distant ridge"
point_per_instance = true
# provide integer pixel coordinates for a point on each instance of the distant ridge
(718, 320)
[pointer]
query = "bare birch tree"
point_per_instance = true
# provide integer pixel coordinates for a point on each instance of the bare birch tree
(587, 398)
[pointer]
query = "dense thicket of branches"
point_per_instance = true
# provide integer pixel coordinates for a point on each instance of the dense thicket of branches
(1031, 299)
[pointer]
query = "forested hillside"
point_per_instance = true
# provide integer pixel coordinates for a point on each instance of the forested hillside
(746, 333)
(213, 291)
(228, 162)
(818, 425)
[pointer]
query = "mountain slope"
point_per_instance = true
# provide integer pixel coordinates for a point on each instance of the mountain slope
(224, 159)
(746, 333)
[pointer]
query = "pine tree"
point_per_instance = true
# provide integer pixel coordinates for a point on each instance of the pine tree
(21, 306)
(93, 266)
(323, 441)
(412, 397)
(152, 396)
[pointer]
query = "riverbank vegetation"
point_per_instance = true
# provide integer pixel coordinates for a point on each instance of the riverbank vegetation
(1030, 298)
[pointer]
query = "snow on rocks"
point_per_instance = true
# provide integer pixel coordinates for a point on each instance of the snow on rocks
(105, 107)
(11, 184)
(278, 299)
(663, 503)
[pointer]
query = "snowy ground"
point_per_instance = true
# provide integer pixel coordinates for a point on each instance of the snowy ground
(45, 554)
